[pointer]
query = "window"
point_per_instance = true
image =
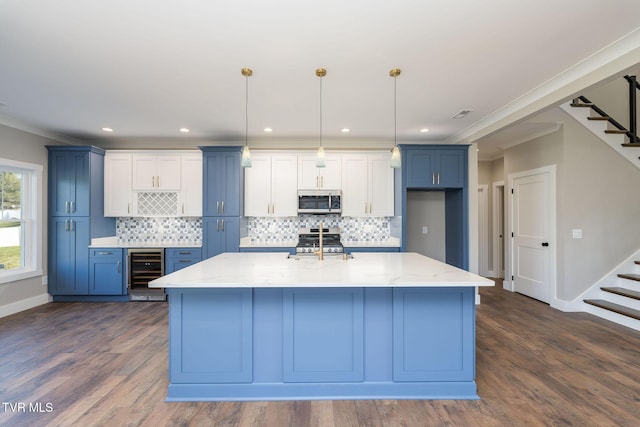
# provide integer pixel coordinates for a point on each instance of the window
(20, 220)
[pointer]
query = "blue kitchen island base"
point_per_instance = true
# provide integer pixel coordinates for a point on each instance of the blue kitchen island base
(301, 343)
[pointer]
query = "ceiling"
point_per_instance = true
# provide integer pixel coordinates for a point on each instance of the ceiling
(148, 68)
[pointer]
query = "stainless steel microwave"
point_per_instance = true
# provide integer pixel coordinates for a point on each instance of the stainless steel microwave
(319, 201)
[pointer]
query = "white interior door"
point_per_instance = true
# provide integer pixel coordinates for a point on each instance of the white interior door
(533, 222)
(483, 230)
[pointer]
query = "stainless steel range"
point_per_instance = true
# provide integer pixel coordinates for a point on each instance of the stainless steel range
(309, 240)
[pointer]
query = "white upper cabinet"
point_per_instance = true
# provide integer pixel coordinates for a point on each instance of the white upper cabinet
(271, 185)
(156, 172)
(159, 183)
(117, 184)
(367, 185)
(191, 192)
(311, 177)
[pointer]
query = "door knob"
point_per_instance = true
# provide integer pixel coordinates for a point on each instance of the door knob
(545, 244)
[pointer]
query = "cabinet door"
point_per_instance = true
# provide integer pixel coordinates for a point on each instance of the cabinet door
(179, 258)
(106, 269)
(257, 186)
(191, 191)
(222, 181)
(144, 172)
(419, 169)
(69, 183)
(220, 234)
(380, 178)
(168, 172)
(355, 200)
(284, 195)
(117, 185)
(308, 174)
(68, 257)
(451, 168)
(331, 174)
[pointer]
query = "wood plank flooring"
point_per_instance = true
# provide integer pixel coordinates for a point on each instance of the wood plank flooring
(105, 364)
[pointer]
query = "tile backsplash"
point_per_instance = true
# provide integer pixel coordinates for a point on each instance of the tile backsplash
(188, 231)
(167, 231)
(352, 229)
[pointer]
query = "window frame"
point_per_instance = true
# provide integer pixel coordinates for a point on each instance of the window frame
(31, 212)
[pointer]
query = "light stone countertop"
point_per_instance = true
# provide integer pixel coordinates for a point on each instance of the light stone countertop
(392, 242)
(276, 270)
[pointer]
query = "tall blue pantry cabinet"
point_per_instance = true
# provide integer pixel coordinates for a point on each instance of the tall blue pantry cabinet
(223, 183)
(442, 168)
(76, 207)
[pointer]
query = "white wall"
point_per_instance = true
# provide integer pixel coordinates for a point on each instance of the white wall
(26, 147)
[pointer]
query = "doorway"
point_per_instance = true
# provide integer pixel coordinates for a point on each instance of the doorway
(533, 233)
(498, 229)
(483, 230)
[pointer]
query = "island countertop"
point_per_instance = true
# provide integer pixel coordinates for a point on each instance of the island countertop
(277, 270)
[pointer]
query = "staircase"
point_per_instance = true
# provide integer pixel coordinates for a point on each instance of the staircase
(604, 127)
(618, 298)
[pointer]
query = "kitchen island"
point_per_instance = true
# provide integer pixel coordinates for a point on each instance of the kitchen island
(269, 326)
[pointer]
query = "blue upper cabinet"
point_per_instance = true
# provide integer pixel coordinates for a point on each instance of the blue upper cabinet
(223, 181)
(435, 167)
(69, 183)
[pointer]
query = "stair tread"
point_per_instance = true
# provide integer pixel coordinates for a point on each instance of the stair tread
(598, 118)
(630, 276)
(636, 262)
(629, 293)
(615, 131)
(632, 144)
(616, 308)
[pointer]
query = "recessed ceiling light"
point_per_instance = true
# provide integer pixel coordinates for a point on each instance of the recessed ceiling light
(268, 130)
(424, 130)
(345, 130)
(184, 130)
(107, 129)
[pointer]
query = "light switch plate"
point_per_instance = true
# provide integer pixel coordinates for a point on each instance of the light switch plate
(576, 233)
(425, 229)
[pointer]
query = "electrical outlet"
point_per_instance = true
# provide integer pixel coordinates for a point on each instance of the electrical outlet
(576, 233)
(45, 280)
(425, 229)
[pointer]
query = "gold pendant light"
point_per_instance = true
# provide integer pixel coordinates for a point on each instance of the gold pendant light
(246, 154)
(395, 152)
(320, 161)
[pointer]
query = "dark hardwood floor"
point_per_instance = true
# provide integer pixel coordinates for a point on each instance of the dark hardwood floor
(105, 364)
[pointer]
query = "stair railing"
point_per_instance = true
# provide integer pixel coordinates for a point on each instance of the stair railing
(633, 115)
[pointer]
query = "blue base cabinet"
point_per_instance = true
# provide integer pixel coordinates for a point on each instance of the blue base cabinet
(178, 258)
(107, 272)
(243, 344)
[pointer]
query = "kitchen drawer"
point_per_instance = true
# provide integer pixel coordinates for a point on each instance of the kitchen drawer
(178, 258)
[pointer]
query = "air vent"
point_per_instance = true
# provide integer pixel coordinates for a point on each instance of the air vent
(461, 114)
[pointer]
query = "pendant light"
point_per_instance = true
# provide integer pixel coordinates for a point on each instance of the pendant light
(246, 154)
(320, 161)
(395, 152)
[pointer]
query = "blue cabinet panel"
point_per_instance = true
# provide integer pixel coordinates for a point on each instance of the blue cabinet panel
(211, 336)
(433, 334)
(178, 258)
(220, 234)
(68, 257)
(435, 168)
(106, 272)
(323, 335)
(69, 183)
(222, 181)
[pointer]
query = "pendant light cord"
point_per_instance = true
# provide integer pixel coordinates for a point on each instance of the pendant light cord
(395, 112)
(320, 111)
(246, 111)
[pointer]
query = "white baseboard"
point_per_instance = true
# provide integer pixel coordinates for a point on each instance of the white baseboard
(25, 304)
